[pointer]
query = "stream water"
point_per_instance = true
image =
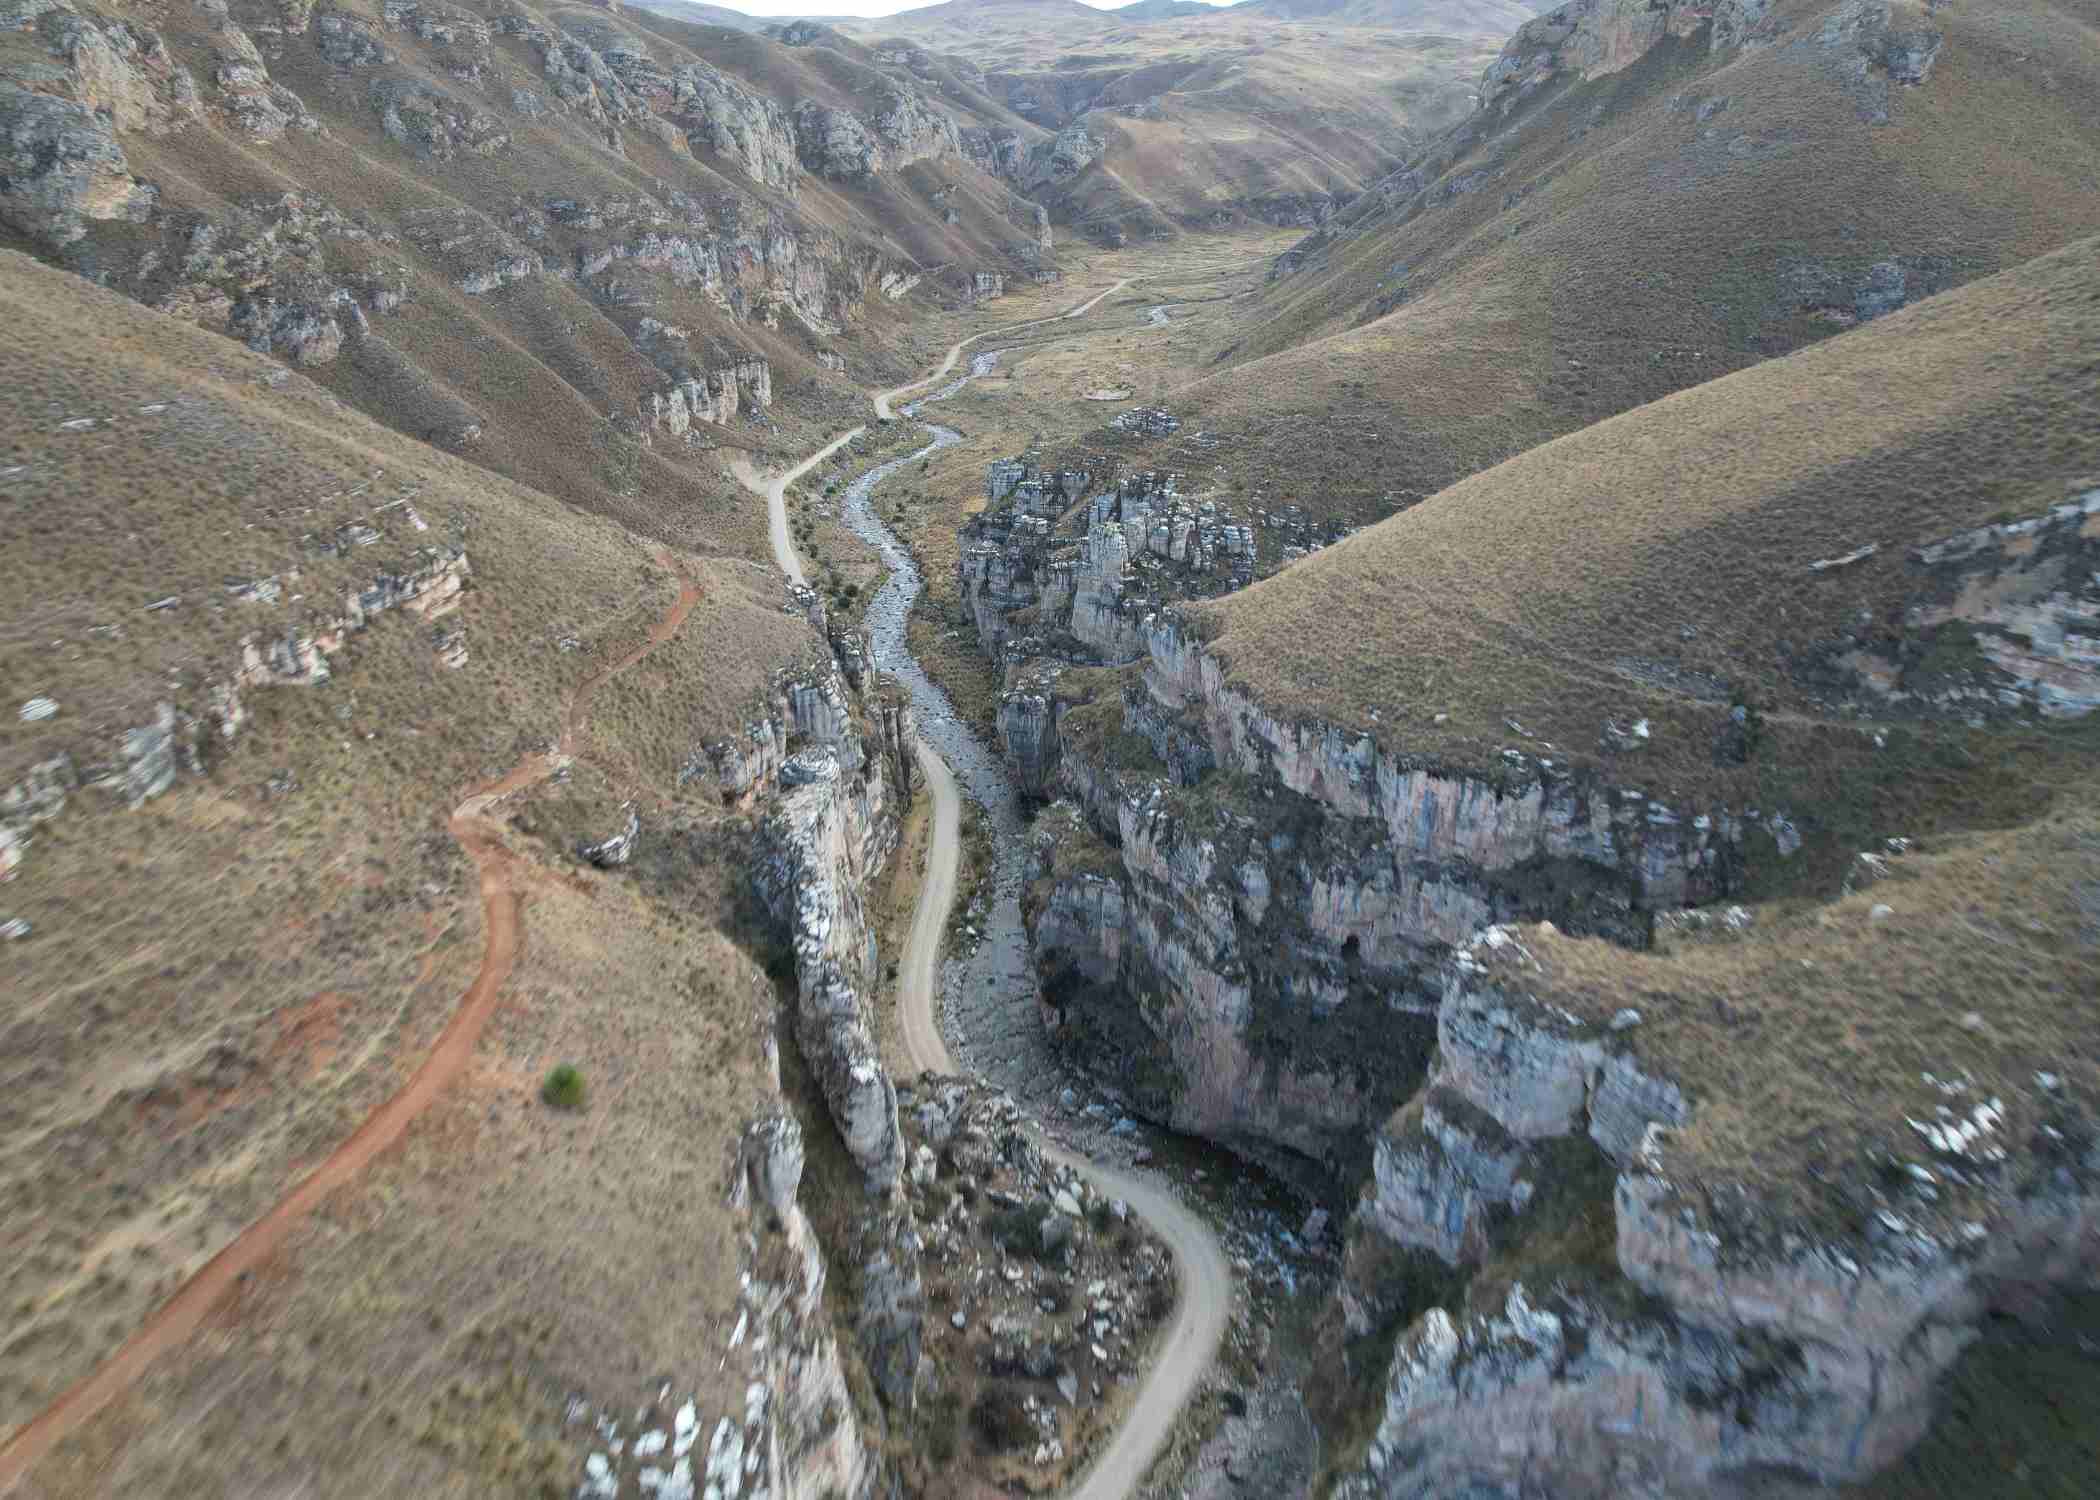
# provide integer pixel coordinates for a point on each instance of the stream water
(989, 997)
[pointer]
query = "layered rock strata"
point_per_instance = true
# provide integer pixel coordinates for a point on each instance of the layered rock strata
(1715, 1335)
(1251, 953)
(1068, 564)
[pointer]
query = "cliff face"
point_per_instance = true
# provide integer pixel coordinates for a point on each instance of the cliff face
(1069, 564)
(1258, 964)
(830, 826)
(797, 1434)
(799, 1425)
(1712, 1331)
(649, 195)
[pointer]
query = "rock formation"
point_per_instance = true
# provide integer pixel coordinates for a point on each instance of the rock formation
(827, 831)
(1069, 564)
(903, 129)
(1718, 1334)
(716, 397)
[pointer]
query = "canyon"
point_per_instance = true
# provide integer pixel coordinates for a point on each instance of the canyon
(1421, 825)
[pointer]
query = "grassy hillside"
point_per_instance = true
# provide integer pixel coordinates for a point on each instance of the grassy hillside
(1585, 245)
(506, 230)
(218, 985)
(1660, 566)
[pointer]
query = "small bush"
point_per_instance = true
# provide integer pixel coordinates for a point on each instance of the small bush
(564, 1087)
(1000, 1420)
(1020, 1231)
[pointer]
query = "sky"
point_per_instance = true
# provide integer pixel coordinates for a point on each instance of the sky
(862, 7)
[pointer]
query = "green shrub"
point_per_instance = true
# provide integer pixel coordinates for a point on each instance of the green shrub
(564, 1087)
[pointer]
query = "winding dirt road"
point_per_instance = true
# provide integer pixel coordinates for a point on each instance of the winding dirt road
(502, 931)
(1191, 1341)
(775, 491)
(884, 398)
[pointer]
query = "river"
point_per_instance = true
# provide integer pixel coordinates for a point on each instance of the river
(989, 997)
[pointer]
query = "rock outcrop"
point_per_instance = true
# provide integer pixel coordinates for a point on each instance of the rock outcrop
(1066, 563)
(1284, 894)
(144, 761)
(754, 132)
(2016, 604)
(61, 166)
(1718, 1335)
(828, 830)
(717, 397)
(823, 838)
(795, 1433)
(902, 129)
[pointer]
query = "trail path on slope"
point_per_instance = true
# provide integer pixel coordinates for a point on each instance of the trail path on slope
(503, 930)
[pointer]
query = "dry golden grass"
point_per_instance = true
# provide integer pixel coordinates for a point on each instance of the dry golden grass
(1682, 533)
(1611, 246)
(547, 367)
(1801, 1043)
(221, 985)
(426, 1332)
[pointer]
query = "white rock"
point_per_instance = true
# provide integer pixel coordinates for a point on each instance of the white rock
(1626, 1020)
(38, 708)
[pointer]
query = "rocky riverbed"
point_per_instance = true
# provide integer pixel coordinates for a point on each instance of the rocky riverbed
(989, 997)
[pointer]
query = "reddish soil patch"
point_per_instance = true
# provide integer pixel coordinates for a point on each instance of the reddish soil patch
(227, 1275)
(308, 1037)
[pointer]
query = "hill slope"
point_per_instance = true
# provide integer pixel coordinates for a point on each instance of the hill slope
(1200, 120)
(1401, 15)
(1646, 200)
(588, 248)
(1524, 592)
(1511, 860)
(283, 643)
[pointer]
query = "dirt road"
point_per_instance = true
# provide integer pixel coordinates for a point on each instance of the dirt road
(775, 491)
(1191, 1341)
(502, 929)
(884, 398)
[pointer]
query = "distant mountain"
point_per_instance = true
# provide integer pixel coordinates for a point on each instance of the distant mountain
(695, 14)
(1164, 10)
(1500, 16)
(1167, 114)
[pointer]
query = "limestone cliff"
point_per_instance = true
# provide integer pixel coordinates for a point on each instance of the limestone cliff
(1067, 563)
(1258, 965)
(796, 1433)
(1718, 1328)
(830, 826)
